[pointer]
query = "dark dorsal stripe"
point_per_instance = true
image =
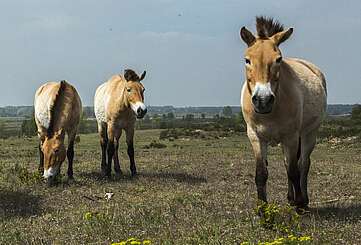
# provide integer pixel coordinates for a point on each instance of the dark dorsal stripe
(55, 108)
(267, 26)
(130, 75)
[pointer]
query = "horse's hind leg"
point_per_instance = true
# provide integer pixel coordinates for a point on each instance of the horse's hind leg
(291, 191)
(117, 170)
(102, 129)
(70, 154)
(308, 143)
(290, 148)
(129, 138)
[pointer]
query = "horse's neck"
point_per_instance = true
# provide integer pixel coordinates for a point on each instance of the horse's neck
(120, 98)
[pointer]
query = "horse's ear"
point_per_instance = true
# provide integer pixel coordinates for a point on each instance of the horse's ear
(129, 75)
(247, 36)
(142, 76)
(282, 36)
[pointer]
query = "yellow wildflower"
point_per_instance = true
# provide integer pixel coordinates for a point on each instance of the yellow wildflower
(88, 215)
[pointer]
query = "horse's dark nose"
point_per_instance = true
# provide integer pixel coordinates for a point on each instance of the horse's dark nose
(141, 112)
(50, 181)
(263, 104)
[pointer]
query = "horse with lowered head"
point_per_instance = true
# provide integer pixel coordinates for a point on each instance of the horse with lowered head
(283, 101)
(117, 104)
(57, 111)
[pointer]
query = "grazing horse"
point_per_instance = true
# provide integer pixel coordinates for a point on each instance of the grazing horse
(57, 111)
(283, 101)
(117, 104)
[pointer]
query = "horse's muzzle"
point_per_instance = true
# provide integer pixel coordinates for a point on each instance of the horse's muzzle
(50, 181)
(141, 112)
(264, 104)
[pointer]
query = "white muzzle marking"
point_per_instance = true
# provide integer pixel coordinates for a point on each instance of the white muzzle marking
(138, 105)
(49, 172)
(262, 90)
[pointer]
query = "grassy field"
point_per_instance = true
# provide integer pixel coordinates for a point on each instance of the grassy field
(194, 191)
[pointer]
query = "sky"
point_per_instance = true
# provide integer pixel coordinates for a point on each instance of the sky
(191, 49)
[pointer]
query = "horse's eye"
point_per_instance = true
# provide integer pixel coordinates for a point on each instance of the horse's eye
(128, 89)
(278, 60)
(248, 61)
(56, 150)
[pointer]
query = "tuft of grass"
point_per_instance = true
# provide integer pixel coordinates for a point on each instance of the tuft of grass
(286, 240)
(279, 218)
(133, 241)
(283, 220)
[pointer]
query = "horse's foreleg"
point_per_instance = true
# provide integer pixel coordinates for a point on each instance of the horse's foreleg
(308, 143)
(260, 153)
(110, 150)
(70, 156)
(290, 149)
(41, 159)
(129, 138)
(102, 129)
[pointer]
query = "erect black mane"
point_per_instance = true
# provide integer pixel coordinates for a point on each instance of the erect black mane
(267, 26)
(55, 107)
(130, 75)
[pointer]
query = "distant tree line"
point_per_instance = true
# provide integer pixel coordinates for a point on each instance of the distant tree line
(226, 119)
(210, 111)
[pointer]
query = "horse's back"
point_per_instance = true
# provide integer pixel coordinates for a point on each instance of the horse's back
(45, 97)
(312, 84)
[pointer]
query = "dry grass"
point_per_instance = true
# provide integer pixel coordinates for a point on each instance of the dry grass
(191, 192)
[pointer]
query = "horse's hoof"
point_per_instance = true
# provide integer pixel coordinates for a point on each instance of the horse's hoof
(106, 175)
(118, 175)
(302, 210)
(70, 180)
(292, 203)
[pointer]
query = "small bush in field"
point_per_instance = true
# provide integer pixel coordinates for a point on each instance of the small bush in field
(280, 218)
(155, 144)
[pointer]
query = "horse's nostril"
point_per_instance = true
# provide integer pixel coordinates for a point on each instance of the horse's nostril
(271, 99)
(254, 99)
(139, 110)
(145, 111)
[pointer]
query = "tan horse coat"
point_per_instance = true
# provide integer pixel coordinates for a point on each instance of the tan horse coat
(117, 104)
(58, 110)
(283, 101)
